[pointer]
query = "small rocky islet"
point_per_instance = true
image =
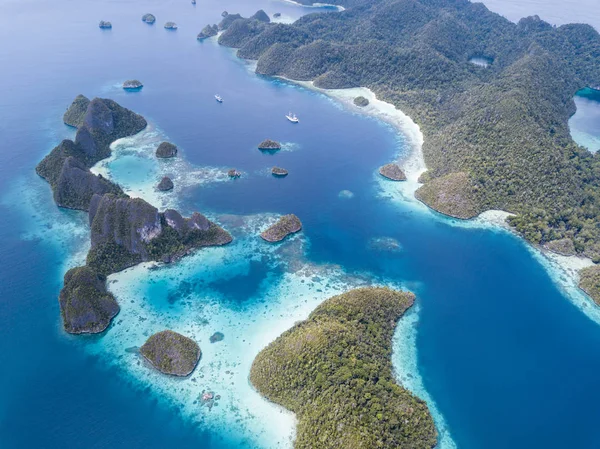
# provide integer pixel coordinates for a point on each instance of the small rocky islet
(233, 173)
(170, 26)
(392, 172)
(105, 25)
(149, 18)
(124, 231)
(165, 184)
(132, 85)
(76, 112)
(172, 353)
(166, 150)
(208, 31)
(286, 225)
(85, 304)
(279, 172)
(269, 145)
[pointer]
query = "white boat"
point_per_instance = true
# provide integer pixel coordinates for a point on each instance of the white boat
(218, 98)
(292, 118)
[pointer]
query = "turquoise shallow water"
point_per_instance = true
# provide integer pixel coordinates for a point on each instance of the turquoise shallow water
(504, 353)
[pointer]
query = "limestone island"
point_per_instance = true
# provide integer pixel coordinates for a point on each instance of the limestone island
(361, 102)
(286, 225)
(208, 31)
(172, 353)
(75, 113)
(393, 172)
(105, 25)
(166, 150)
(85, 304)
(124, 231)
(149, 18)
(334, 371)
(233, 173)
(132, 85)
(279, 172)
(269, 144)
(165, 184)
(170, 26)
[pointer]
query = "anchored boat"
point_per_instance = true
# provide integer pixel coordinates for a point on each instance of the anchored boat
(292, 118)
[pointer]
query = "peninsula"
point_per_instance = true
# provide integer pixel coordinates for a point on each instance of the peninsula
(496, 137)
(334, 371)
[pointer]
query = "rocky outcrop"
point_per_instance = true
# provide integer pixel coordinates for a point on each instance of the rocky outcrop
(286, 225)
(105, 25)
(170, 26)
(127, 231)
(148, 18)
(75, 113)
(104, 122)
(451, 195)
(393, 172)
(261, 16)
(76, 186)
(66, 168)
(269, 144)
(233, 173)
(361, 102)
(277, 15)
(132, 85)
(166, 150)
(208, 31)
(85, 304)
(165, 184)
(172, 353)
(228, 19)
(127, 222)
(279, 172)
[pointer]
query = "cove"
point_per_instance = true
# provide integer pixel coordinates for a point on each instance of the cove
(503, 351)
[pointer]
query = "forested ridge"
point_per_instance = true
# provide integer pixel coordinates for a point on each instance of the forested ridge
(495, 137)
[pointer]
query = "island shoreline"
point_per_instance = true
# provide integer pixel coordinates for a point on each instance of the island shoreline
(414, 166)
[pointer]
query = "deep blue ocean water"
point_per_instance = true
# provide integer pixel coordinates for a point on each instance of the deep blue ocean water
(508, 359)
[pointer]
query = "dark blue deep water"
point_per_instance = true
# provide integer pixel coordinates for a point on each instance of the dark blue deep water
(510, 361)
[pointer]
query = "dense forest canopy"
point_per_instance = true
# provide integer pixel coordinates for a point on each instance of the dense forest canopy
(497, 137)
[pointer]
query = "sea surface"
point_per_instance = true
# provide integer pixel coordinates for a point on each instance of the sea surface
(500, 343)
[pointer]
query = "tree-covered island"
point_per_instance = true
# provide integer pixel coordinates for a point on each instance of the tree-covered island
(334, 371)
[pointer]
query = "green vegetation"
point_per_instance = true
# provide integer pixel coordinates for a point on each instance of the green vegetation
(172, 353)
(85, 304)
(334, 371)
(589, 282)
(498, 136)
